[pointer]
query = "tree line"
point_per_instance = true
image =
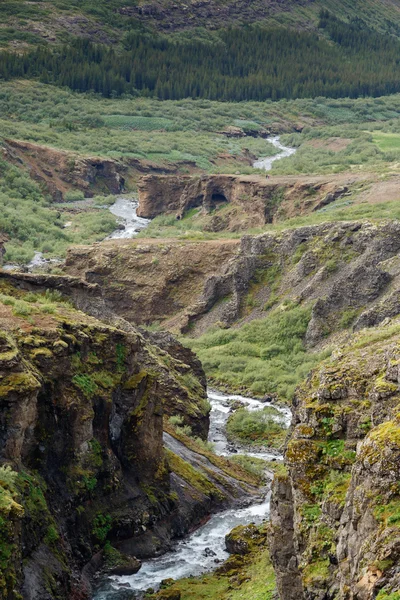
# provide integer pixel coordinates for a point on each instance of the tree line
(239, 63)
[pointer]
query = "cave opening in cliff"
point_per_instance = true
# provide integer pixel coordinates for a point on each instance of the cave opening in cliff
(218, 198)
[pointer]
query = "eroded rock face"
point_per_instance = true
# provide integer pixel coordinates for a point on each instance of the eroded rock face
(81, 426)
(348, 273)
(338, 534)
(253, 200)
(60, 171)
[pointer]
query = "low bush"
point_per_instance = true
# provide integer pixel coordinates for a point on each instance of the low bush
(259, 426)
(264, 356)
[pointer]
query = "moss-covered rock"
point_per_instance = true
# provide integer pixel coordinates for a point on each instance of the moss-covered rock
(81, 421)
(337, 515)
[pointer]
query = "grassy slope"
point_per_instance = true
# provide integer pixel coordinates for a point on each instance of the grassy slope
(101, 20)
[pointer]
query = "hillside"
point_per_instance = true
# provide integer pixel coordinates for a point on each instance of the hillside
(106, 21)
(237, 57)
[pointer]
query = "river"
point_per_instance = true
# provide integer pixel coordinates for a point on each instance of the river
(125, 209)
(284, 152)
(130, 224)
(204, 549)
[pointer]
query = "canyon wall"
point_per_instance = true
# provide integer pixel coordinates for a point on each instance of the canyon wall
(335, 521)
(249, 201)
(348, 273)
(85, 480)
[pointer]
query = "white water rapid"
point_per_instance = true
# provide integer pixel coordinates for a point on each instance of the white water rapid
(125, 209)
(266, 163)
(204, 549)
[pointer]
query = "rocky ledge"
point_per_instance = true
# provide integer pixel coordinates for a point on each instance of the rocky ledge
(347, 272)
(256, 200)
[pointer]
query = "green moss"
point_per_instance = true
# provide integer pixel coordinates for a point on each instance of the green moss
(133, 382)
(194, 478)
(52, 535)
(385, 387)
(378, 440)
(336, 486)
(302, 451)
(18, 383)
(316, 572)
(39, 353)
(226, 465)
(10, 512)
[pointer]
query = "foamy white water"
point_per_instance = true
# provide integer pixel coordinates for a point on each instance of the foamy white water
(125, 209)
(266, 163)
(204, 549)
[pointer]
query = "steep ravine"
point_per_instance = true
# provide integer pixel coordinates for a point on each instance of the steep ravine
(85, 481)
(205, 549)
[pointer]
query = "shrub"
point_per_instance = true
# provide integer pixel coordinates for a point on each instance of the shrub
(241, 359)
(260, 426)
(74, 195)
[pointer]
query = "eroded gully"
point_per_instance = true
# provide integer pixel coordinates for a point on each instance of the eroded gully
(204, 549)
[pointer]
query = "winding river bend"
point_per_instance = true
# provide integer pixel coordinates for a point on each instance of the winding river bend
(204, 549)
(284, 152)
(130, 224)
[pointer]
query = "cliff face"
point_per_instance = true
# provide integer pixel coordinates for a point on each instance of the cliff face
(58, 171)
(81, 449)
(237, 203)
(336, 515)
(347, 272)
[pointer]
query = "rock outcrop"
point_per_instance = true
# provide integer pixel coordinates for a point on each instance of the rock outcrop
(239, 202)
(338, 535)
(172, 16)
(58, 170)
(85, 481)
(348, 273)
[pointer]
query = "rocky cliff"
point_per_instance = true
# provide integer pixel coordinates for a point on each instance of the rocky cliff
(336, 514)
(238, 203)
(84, 478)
(348, 273)
(58, 170)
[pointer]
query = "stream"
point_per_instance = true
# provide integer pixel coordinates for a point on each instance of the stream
(204, 549)
(284, 152)
(125, 209)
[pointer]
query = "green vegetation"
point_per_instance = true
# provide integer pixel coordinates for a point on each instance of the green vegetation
(263, 356)
(265, 427)
(228, 466)
(254, 465)
(101, 526)
(192, 476)
(41, 228)
(238, 63)
(10, 512)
